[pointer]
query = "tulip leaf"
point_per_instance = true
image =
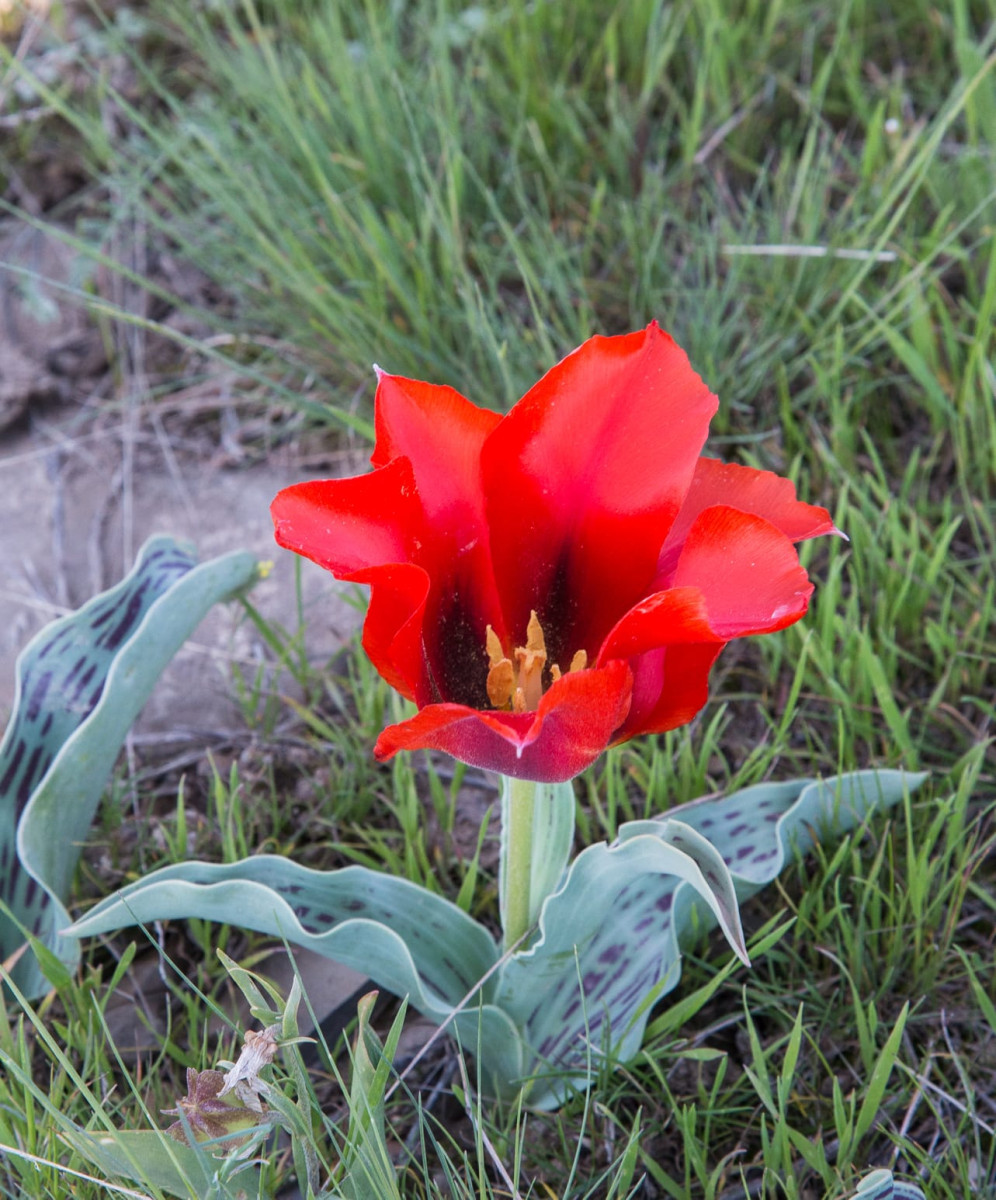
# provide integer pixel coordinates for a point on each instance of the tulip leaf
(583, 987)
(80, 684)
(880, 1185)
(403, 937)
(609, 937)
(152, 1159)
(595, 963)
(757, 830)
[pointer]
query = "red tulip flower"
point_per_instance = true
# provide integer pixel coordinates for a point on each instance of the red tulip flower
(551, 582)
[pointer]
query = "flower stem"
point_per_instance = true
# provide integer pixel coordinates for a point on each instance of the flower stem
(518, 846)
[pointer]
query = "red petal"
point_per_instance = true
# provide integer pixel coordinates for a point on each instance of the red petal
(583, 479)
(346, 525)
(392, 631)
(674, 617)
(435, 427)
(669, 687)
(574, 723)
(747, 570)
(441, 434)
(737, 575)
(365, 530)
(759, 492)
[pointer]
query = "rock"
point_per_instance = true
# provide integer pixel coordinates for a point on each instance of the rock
(48, 347)
(21, 385)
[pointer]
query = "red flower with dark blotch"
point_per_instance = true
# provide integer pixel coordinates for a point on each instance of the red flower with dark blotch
(551, 582)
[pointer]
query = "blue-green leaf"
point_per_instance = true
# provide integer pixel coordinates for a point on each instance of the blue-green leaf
(880, 1185)
(596, 960)
(404, 937)
(584, 985)
(80, 684)
(609, 938)
(150, 1158)
(759, 828)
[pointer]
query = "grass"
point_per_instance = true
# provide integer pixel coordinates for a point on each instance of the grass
(464, 194)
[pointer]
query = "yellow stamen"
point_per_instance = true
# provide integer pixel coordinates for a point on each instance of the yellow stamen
(532, 659)
(519, 685)
(495, 653)
(501, 676)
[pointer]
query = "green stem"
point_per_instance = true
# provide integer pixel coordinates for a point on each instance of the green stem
(518, 857)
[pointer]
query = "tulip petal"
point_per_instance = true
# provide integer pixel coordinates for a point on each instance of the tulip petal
(347, 525)
(670, 686)
(675, 617)
(441, 434)
(574, 723)
(747, 570)
(365, 530)
(584, 478)
(737, 575)
(392, 631)
(752, 491)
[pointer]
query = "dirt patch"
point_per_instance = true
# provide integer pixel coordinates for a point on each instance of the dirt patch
(90, 467)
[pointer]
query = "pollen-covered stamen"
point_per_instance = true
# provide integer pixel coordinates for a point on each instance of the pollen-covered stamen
(501, 673)
(578, 663)
(519, 685)
(531, 660)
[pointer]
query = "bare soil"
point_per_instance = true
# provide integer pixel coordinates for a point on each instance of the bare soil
(91, 464)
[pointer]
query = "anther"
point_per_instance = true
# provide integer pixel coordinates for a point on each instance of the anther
(519, 685)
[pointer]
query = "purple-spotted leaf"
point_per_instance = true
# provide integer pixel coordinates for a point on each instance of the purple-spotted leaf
(757, 830)
(595, 962)
(609, 937)
(80, 684)
(403, 937)
(583, 985)
(880, 1185)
